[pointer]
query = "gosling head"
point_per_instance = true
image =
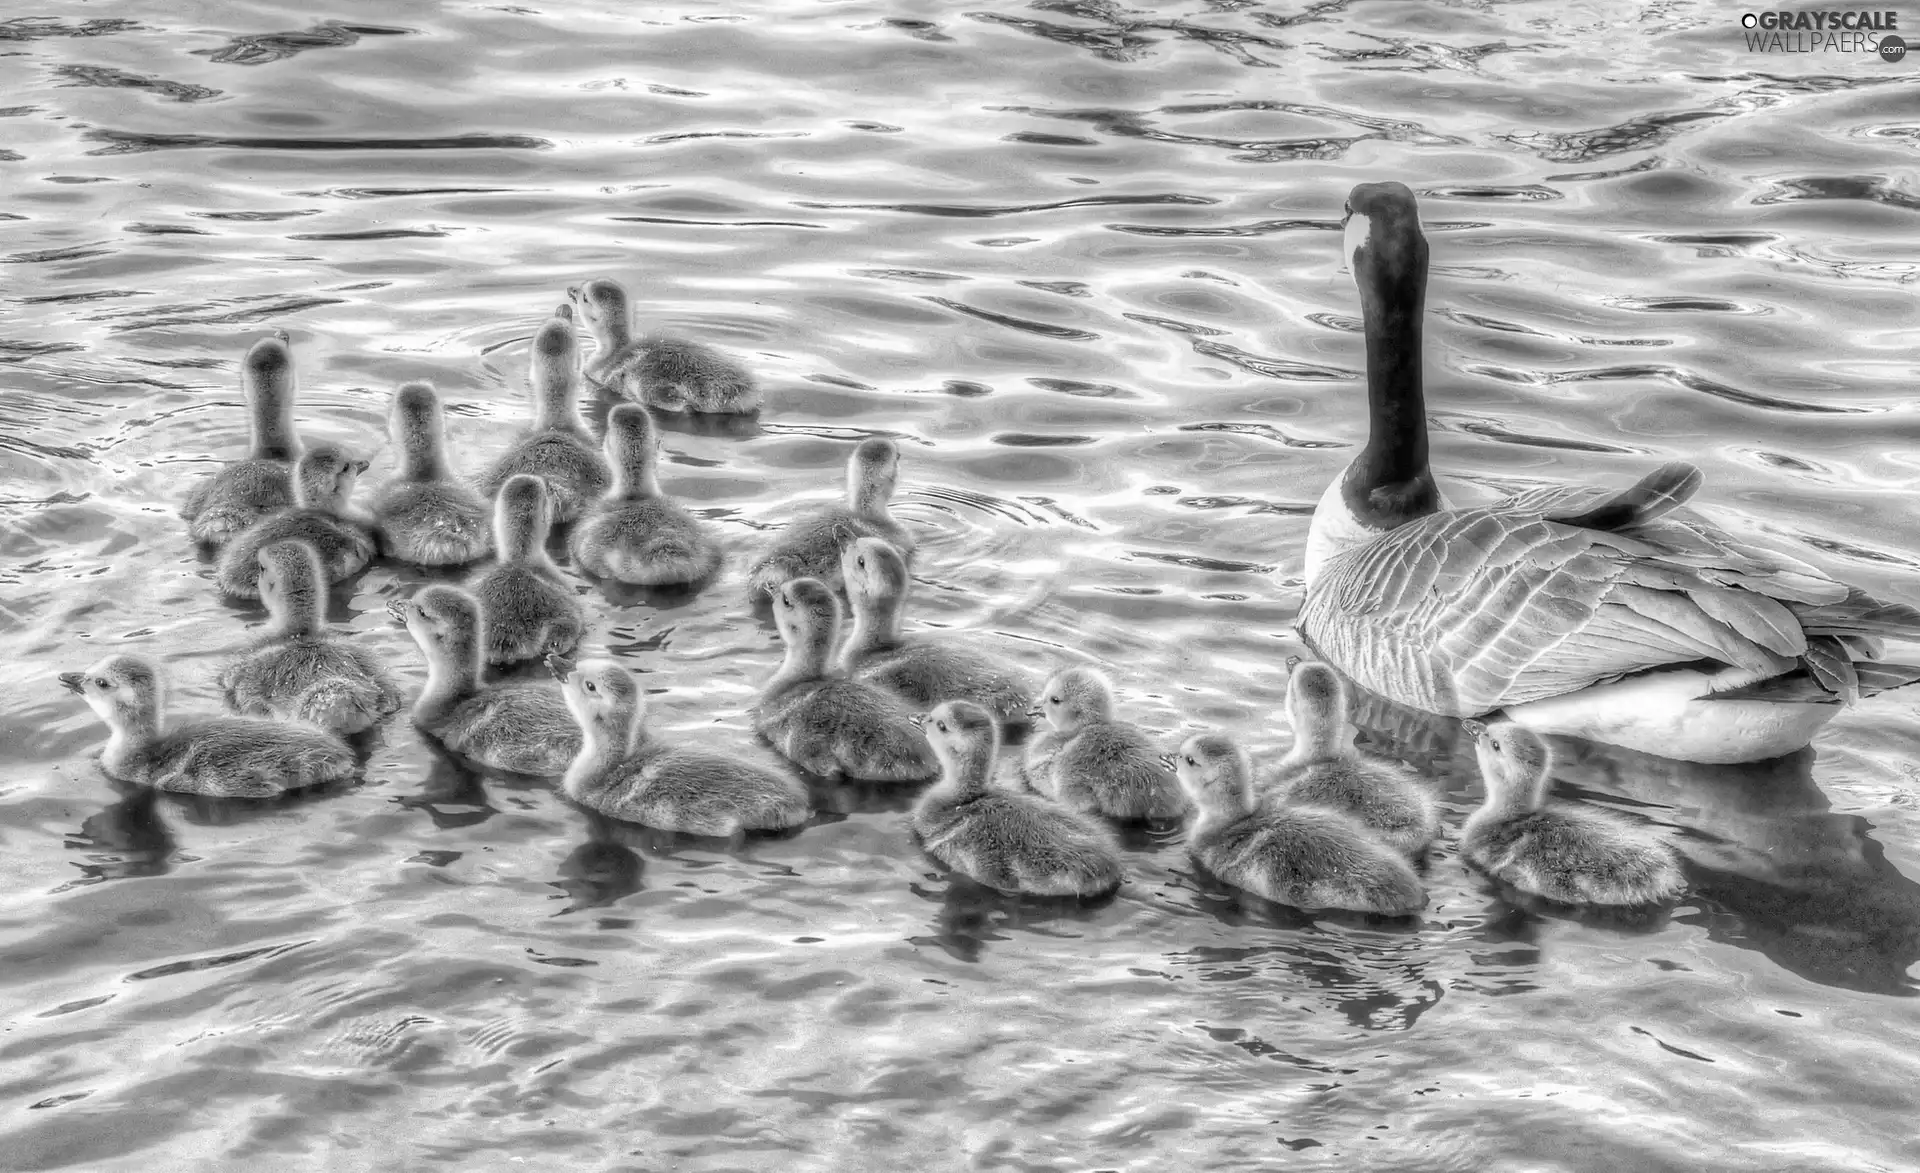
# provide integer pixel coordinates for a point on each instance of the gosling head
(416, 422)
(554, 362)
(290, 586)
(633, 447)
(266, 380)
(874, 571)
(1383, 241)
(1317, 702)
(602, 696)
(1074, 698)
(602, 304)
(871, 472)
(325, 476)
(522, 516)
(960, 732)
(122, 690)
(445, 621)
(1215, 773)
(807, 614)
(1515, 762)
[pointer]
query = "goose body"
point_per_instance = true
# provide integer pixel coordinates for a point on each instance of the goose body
(1570, 854)
(636, 534)
(1615, 615)
(673, 374)
(321, 517)
(529, 609)
(1325, 769)
(1306, 857)
(556, 447)
(242, 492)
(1005, 840)
(923, 670)
(299, 671)
(521, 728)
(223, 757)
(423, 515)
(824, 722)
(1091, 761)
(810, 547)
(624, 772)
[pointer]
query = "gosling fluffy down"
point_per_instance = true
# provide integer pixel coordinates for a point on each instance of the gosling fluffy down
(521, 728)
(423, 515)
(635, 534)
(322, 518)
(223, 757)
(1091, 761)
(673, 374)
(1571, 854)
(1307, 857)
(811, 546)
(300, 671)
(625, 772)
(823, 722)
(1324, 768)
(1013, 842)
(555, 447)
(243, 491)
(529, 608)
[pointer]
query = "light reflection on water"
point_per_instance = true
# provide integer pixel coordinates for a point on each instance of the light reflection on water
(1081, 261)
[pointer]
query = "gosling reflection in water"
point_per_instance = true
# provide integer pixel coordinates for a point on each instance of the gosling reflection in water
(1774, 868)
(601, 871)
(972, 915)
(124, 840)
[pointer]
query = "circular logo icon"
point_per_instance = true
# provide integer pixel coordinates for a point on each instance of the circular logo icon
(1892, 48)
(1749, 20)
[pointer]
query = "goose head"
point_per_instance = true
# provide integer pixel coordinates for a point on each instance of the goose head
(633, 450)
(522, 517)
(417, 426)
(325, 476)
(266, 381)
(1383, 242)
(963, 736)
(808, 618)
(291, 585)
(603, 697)
(875, 573)
(123, 690)
(1515, 762)
(1075, 697)
(1215, 773)
(445, 622)
(871, 472)
(602, 304)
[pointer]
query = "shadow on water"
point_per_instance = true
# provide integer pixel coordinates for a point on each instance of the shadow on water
(1774, 868)
(601, 871)
(972, 915)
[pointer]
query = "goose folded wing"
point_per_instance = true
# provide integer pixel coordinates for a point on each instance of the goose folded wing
(1465, 611)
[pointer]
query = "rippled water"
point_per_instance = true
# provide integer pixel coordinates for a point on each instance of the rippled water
(1082, 261)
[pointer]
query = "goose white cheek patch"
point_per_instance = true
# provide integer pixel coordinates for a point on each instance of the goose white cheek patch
(1359, 232)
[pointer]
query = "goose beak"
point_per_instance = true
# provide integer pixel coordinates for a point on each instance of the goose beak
(560, 666)
(71, 681)
(1475, 729)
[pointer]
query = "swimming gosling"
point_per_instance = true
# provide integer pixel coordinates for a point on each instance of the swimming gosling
(1091, 761)
(299, 670)
(530, 610)
(1307, 857)
(1325, 768)
(811, 546)
(635, 534)
(624, 772)
(1013, 842)
(555, 447)
(673, 374)
(321, 517)
(243, 491)
(522, 728)
(1575, 855)
(923, 669)
(423, 515)
(822, 721)
(223, 757)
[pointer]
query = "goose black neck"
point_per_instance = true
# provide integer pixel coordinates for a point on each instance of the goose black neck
(1395, 458)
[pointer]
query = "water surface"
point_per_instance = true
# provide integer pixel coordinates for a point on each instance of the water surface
(1082, 262)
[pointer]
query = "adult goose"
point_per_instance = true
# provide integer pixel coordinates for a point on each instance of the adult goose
(1616, 615)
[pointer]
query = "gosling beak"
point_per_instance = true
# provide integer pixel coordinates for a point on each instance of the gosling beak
(282, 335)
(919, 720)
(1036, 712)
(1166, 759)
(1293, 662)
(360, 466)
(71, 681)
(397, 608)
(1475, 729)
(573, 293)
(563, 310)
(560, 666)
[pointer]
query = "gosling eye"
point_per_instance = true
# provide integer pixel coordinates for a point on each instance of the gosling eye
(940, 725)
(1053, 700)
(861, 563)
(589, 686)
(1190, 761)
(102, 683)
